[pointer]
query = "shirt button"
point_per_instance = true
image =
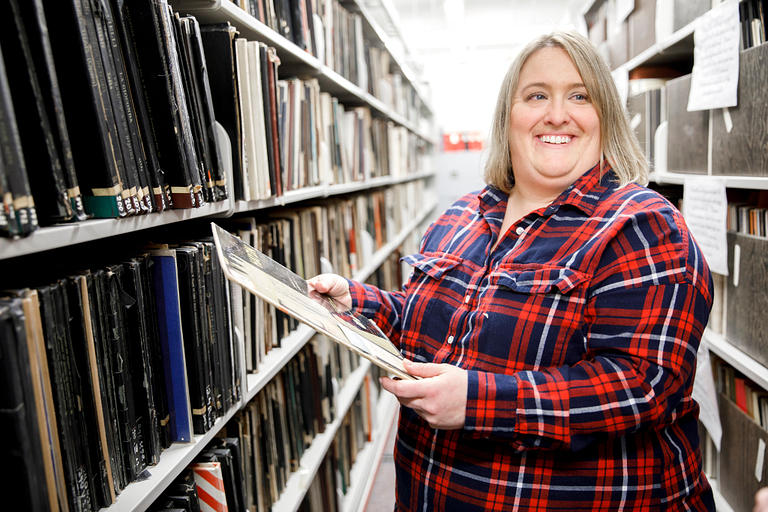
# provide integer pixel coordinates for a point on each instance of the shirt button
(466, 299)
(450, 339)
(519, 230)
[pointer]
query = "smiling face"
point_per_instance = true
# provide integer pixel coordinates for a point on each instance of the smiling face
(554, 129)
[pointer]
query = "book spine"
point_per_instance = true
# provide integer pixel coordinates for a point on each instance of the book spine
(19, 196)
(41, 158)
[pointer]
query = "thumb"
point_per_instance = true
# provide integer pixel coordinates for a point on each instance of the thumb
(422, 369)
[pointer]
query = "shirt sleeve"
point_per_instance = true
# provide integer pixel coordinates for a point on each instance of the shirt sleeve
(383, 308)
(647, 307)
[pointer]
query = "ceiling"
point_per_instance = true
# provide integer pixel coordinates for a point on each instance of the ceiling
(449, 26)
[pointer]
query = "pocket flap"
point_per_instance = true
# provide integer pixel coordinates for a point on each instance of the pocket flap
(544, 280)
(433, 266)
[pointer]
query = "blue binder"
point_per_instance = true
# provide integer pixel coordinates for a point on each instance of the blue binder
(172, 344)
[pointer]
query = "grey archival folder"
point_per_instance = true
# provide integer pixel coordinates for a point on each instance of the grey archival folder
(265, 278)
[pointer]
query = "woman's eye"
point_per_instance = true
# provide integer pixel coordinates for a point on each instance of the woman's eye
(536, 96)
(580, 96)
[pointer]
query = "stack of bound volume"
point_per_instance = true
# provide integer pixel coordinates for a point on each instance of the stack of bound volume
(119, 361)
(117, 112)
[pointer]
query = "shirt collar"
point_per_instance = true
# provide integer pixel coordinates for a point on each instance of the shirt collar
(583, 194)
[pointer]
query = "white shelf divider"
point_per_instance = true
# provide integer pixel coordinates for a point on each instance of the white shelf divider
(363, 472)
(298, 483)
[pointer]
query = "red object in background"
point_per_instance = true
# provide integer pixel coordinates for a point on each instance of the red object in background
(475, 141)
(453, 142)
(463, 141)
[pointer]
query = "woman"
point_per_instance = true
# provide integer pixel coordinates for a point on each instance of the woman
(555, 316)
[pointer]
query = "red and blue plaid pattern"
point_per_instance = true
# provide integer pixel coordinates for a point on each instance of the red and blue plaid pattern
(579, 333)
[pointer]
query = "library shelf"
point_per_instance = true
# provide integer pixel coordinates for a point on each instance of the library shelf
(293, 59)
(743, 182)
(299, 482)
(63, 235)
(363, 472)
(140, 495)
(737, 358)
(720, 504)
(670, 49)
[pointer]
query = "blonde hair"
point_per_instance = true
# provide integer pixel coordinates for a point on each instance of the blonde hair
(619, 145)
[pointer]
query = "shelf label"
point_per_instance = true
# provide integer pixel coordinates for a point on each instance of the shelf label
(705, 395)
(705, 209)
(715, 77)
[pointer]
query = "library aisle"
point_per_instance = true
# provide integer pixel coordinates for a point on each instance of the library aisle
(382, 498)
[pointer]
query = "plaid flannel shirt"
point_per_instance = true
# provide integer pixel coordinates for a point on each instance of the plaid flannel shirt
(579, 334)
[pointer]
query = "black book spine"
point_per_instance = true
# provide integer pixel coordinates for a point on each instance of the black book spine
(182, 35)
(138, 344)
(296, 7)
(42, 160)
(130, 434)
(105, 356)
(40, 45)
(7, 228)
(219, 177)
(146, 32)
(21, 206)
(160, 190)
(105, 70)
(218, 45)
(284, 19)
(70, 436)
(95, 463)
(218, 363)
(221, 307)
(18, 418)
(182, 112)
(92, 136)
(210, 361)
(193, 347)
(133, 141)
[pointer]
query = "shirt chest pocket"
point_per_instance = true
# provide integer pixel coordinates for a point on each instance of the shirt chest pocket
(435, 289)
(533, 318)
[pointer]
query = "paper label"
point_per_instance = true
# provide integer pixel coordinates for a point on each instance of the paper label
(736, 264)
(705, 395)
(760, 460)
(715, 76)
(706, 209)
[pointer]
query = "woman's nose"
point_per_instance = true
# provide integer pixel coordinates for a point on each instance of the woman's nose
(557, 112)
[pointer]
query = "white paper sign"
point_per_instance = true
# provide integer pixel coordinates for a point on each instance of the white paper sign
(715, 77)
(705, 209)
(705, 395)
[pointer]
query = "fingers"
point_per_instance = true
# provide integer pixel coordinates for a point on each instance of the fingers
(404, 389)
(423, 369)
(332, 285)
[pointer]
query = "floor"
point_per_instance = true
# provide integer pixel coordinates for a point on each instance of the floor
(382, 497)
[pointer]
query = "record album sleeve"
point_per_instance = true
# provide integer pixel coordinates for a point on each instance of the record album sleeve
(288, 292)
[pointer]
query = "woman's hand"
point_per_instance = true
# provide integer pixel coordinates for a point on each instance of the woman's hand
(336, 287)
(440, 397)
(761, 500)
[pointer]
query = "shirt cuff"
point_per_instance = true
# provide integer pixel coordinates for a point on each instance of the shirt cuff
(491, 405)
